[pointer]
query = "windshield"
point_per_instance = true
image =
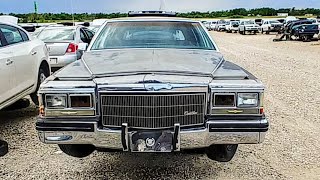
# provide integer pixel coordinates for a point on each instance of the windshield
(153, 34)
(57, 34)
(249, 22)
(274, 22)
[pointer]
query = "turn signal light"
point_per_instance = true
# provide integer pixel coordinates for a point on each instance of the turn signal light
(261, 110)
(41, 111)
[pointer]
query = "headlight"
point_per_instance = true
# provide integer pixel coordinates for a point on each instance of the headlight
(56, 101)
(224, 100)
(80, 101)
(248, 99)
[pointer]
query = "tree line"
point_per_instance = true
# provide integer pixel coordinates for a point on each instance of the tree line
(233, 13)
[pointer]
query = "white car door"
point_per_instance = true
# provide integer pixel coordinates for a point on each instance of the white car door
(6, 71)
(22, 49)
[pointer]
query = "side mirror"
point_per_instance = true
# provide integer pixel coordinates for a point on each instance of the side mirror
(83, 46)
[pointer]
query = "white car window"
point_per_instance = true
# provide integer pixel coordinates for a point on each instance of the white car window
(11, 34)
(57, 34)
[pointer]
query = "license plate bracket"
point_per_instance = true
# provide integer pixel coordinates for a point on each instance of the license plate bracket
(152, 141)
(53, 60)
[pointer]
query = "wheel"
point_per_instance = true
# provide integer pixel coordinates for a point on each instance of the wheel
(221, 152)
(77, 150)
(244, 31)
(42, 76)
(261, 30)
(3, 148)
(267, 32)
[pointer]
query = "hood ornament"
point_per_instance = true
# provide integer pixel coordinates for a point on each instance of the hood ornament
(158, 87)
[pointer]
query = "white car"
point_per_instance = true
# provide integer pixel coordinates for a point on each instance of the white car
(23, 64)
(63, 43)
(271, 26)
(248, 26)
(232, 26)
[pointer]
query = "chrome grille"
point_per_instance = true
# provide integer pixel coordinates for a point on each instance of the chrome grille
(153, 110)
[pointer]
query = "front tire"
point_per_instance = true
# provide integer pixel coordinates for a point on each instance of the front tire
(43, 74)
(221, 152)
(77, 150)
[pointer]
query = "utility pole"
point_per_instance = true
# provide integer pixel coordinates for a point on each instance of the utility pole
(35, 11)
(162, 5)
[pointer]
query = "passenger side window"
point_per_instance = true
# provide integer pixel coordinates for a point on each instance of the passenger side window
(83, 36)
(11, 34)
(24, 35)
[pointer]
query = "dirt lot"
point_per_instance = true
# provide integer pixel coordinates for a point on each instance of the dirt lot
(290, 71)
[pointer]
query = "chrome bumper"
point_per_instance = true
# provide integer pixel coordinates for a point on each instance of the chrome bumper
(214, 132)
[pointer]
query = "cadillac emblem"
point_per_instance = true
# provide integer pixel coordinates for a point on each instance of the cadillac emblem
(150, 142)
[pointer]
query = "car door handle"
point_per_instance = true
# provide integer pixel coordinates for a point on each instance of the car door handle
(33, 53)
(8, 62)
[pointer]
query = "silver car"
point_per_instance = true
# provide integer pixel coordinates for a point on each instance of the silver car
(63, 43)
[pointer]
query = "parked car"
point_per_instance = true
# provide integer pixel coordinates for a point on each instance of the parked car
(156, 84)
(212, 25)
(271, 26)
(221, 25)
(63, 43)
(248, 26)
(23, 64)
(259, 21)
(232, 26)
(299, 29)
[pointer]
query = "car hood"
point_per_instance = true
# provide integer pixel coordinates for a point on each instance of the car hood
(116, 62)
(151, 66)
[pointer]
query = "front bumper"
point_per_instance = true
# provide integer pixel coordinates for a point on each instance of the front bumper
(252, 29)
(215, 132)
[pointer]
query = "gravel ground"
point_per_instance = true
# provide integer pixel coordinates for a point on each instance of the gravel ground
(290, 71)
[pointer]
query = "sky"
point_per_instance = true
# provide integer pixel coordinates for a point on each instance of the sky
(109, 6)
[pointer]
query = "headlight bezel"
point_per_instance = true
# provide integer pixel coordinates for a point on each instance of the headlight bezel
(256, 109)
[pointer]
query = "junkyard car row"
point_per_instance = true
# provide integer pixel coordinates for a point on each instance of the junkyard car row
(290, 28)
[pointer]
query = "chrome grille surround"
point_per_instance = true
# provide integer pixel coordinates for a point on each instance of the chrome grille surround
(153, 110)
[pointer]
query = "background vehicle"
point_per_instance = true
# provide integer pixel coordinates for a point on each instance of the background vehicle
(232, 26)
(259, 21)
(221, 25)
(298, 29)
(23, 64)
(63, 43)
(271, 26)
(212, 25)
(248, 26)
